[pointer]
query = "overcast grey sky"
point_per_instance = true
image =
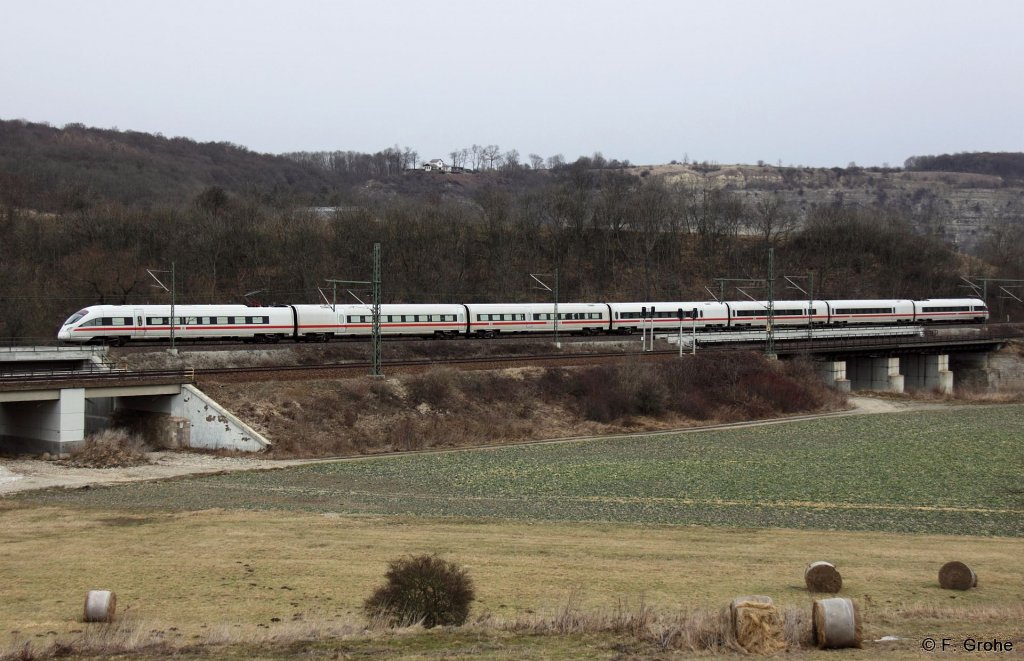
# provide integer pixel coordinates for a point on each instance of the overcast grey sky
(811, 82)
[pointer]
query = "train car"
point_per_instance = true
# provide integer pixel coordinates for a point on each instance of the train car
(631, 317)
(423, 320)
(490, 319)
(119, 324)
(754, 314)
(870, 311)
(967, 310)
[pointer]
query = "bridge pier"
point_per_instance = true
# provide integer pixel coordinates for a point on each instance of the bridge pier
(928, 372)
(54, 423)
(833, 373)
(882, 374)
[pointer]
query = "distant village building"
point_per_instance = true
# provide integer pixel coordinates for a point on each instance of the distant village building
(436, 165)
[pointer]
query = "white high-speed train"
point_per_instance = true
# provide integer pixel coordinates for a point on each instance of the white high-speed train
(118, 324)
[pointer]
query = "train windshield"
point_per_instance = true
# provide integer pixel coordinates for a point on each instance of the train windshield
(76, 317)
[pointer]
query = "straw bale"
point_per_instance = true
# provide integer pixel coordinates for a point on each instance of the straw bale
(99, 606)
(837, 623)
(957, 576)
(823, 576)
(757, 624)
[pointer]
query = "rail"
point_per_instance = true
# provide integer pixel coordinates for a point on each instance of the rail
(13, 379)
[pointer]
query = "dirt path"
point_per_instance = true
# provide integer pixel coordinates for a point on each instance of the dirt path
(28, 474)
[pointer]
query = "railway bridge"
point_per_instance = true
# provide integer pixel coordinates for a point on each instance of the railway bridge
(909, 357)
(51, 398)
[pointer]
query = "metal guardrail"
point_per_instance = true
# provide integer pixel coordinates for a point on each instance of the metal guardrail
(21, 380)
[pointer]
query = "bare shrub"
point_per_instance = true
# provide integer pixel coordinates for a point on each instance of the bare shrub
(405, 435)
(111, 448)
(422, 588)
(436, 387)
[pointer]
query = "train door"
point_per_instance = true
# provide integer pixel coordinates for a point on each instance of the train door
(139, 324)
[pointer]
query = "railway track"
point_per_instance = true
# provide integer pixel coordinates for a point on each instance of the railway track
(348, 369)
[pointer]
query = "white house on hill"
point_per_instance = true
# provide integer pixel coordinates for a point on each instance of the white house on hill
(436, 165)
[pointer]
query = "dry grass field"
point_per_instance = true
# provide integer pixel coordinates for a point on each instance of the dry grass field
(227, 577)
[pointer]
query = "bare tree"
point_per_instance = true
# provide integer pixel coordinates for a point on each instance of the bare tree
(409, 158)
(511, 160)
(536, 161)
(491, 154)
(772, 219)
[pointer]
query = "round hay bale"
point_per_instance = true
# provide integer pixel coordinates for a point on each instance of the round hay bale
(100, 606)
(957, 576)
(757, 624)
(822, 576)
(836, 623)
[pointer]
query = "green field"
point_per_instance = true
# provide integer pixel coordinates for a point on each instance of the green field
(944, 472)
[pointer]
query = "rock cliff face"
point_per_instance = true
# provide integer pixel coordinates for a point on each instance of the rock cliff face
(963, 208)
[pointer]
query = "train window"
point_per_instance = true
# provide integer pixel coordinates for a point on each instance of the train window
(864, 311)
(75, 317)
(813, 311)
(980, 308)
(948, 308)
(788, 313)
(746, 313)
(222, 320)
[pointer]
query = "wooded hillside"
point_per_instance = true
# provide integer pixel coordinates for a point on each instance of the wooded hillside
(84, 213)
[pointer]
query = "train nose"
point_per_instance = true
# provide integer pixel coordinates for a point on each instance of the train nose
(64, 334)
